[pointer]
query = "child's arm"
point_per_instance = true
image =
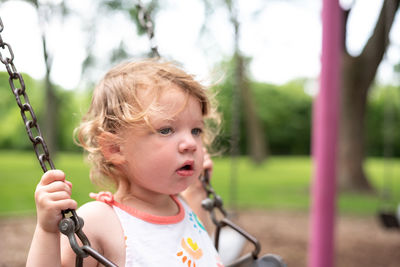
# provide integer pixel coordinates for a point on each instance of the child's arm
(53, 194)
(195, 194)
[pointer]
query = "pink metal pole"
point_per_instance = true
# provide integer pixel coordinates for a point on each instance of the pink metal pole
(325, 133)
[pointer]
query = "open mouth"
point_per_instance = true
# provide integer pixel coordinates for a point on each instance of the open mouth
(187, 169)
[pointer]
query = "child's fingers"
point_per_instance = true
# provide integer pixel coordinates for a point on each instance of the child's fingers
(54, 180)
(65, 204)
(52, 187)
(57, 186)
(207, 162)
(44, 196)
(51, 204)
(59, 195)
(68, 183)
(52, 195)
(52, 176)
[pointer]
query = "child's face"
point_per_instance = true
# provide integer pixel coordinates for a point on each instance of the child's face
(168, 160)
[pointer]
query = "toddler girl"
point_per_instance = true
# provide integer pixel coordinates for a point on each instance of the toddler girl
(144, 133)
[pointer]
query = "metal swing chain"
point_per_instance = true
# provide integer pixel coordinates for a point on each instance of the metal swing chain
(22, 99)
(71, 224)
(147, 23)
(214, 202)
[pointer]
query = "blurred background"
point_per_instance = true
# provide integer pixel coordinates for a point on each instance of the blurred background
(263, 60)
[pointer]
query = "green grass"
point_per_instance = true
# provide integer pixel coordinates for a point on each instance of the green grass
(281, 183)
(20, 172)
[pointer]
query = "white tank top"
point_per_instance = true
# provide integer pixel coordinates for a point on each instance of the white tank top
(178, 240)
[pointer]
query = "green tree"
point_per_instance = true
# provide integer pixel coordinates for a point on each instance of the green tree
(285, 110)
(13, 134)
(48, 13)
(242, 97)
(72, 108)
(358, 73)
(136, 12)
(382, 119)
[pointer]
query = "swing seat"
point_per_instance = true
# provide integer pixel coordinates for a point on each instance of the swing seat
(232, 236)
(250, 259)
(268, 260)
(389, 220)
(231, 245)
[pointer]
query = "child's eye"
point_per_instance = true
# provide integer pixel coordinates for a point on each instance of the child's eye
(165, 131)
(197, 131)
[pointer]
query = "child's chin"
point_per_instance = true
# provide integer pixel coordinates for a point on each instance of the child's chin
(182, 189)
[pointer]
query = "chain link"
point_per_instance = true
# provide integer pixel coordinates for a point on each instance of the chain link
(17, 86)
(214, 203)
(147, 23)
(71, 224)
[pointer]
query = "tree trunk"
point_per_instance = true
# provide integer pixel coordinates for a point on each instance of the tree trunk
(51, 104)
(357, 75)
(50, 117)
(256, 141)
(255, 138)
(351, 131)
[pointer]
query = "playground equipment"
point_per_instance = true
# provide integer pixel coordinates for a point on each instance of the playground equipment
(325, 135)
(388, 219)
(71, 225)
(213, 203)
(388, 212)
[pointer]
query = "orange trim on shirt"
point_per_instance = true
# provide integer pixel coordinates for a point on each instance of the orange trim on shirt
(108, 198)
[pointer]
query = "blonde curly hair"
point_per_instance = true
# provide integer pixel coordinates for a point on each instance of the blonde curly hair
(116, 106)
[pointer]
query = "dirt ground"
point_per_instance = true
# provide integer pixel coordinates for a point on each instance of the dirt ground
(360, 241)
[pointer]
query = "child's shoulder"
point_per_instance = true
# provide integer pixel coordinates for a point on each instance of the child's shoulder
(103, 229)
(96, 205)
(96, 210)
(99, 217)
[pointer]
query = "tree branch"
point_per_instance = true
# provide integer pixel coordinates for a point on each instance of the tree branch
(345, 17)
(376, 46)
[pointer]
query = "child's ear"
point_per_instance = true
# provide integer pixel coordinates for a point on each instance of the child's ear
(111, 148)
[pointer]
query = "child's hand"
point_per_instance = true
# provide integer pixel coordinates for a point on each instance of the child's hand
(53, 194)
(207, 164)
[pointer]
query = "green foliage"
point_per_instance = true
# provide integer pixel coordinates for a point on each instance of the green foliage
(71, 106)
(284, 110)
(285, 113)
(382, 120)
(13, 134)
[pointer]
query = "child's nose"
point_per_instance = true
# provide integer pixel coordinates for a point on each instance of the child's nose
(187, 143)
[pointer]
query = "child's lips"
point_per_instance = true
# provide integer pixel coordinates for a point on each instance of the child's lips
(187, 169)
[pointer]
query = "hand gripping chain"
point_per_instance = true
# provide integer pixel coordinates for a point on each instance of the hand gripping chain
(71, 225)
